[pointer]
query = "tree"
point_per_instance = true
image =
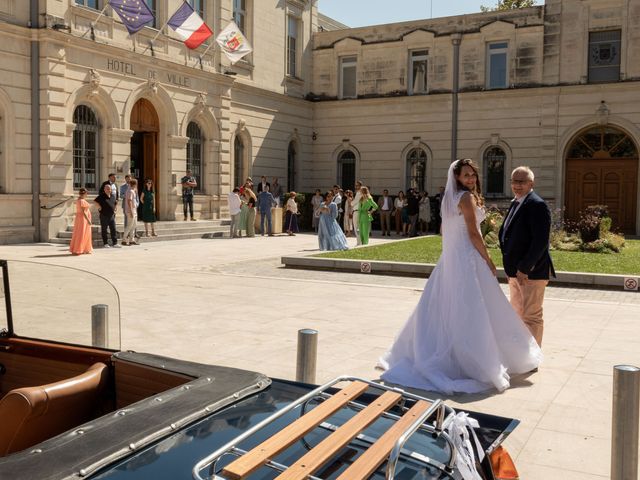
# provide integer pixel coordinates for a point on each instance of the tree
(508, 5)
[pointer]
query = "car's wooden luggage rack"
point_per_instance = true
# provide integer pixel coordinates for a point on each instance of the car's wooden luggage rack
(416, 413)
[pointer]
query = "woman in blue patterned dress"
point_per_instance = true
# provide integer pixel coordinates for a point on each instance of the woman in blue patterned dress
(330, 235)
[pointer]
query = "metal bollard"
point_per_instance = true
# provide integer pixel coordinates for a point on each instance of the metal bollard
(100, 325)
(625, 422)
(307, 355)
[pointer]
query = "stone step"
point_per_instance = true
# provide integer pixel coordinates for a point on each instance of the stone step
(178, 230)
(160, 231)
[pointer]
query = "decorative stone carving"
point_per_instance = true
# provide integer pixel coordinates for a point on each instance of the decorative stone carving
(94, 82)
(495, 138)
(201, 103)
(153, 87)
(602, 114)
(242, 125)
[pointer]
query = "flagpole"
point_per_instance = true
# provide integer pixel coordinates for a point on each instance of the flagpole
(101, 13)
(93, 24)
(203, 54)
(165, 24)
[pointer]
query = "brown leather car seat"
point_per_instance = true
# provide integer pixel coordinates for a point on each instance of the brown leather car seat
(30, 415)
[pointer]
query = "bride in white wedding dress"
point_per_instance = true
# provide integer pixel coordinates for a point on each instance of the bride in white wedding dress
(463, 335)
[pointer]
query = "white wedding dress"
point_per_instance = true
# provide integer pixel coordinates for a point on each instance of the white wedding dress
(463, 335)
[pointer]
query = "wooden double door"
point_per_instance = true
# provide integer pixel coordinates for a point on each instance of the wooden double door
(144, 146)
(612, 182)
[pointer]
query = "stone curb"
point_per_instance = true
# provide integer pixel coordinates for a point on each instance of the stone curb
(425, 269)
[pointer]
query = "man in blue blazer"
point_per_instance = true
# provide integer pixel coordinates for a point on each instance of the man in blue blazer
(524, 241)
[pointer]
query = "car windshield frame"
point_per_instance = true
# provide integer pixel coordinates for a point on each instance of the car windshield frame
(59, 303)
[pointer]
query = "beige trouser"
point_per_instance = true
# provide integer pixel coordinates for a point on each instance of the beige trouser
(526, 300)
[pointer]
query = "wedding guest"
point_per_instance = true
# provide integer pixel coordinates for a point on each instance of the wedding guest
(291, 217)
(355, 203)
(316, 201)
(348, 214)
(398, 205)
(123, 193)
(406, 220)
(276, 191)
(107, 207)
(263, 184)
(234, 211)
(111, 181)
(131, 211)
(337, 199)
(365, 215)
(330, 235)
(385, 206)
(413, 209)
(251, 200)
(189, 184)
(265, 203)
(147, 198)
(81, 237)
(438, 218)
(424, 213)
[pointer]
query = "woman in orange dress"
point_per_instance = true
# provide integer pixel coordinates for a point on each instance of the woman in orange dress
(81, 238)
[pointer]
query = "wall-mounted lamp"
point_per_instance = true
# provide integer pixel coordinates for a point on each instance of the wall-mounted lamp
(314, 136)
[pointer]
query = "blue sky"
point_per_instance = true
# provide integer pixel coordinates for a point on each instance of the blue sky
(358, 13)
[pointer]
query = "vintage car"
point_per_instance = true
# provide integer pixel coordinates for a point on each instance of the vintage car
(74, 406)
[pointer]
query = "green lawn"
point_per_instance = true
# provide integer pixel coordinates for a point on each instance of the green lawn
(427, 250)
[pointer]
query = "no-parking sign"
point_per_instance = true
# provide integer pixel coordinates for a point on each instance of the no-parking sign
(630, 283)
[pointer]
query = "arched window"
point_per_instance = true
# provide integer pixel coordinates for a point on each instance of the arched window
(85, 148)
(238, 159)
(494, 163)
(291, 167)
(416, 169)
(603, 142)
(194, 153)
(347, 169)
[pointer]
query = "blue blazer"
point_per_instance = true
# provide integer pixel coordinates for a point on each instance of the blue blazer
(525, 243)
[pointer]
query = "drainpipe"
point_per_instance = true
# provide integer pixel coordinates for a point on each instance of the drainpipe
(456, 38)
(35, 121)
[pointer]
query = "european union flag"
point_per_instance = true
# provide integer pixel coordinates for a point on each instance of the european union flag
(134, 14)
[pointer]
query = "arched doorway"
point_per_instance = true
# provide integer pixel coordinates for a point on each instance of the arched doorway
(144, 146)
(602, 169)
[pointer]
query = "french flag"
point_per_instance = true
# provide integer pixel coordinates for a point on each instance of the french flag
(188, 24)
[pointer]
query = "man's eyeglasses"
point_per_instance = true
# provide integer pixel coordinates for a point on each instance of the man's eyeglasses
(519, 182)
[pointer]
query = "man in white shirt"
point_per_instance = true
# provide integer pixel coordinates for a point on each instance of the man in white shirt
(385, 205)
(234, 211)
(355, 203)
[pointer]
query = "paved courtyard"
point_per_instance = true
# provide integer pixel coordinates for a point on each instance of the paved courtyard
(230, 302)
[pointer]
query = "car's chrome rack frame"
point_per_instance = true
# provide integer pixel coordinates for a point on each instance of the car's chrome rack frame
(443, 415)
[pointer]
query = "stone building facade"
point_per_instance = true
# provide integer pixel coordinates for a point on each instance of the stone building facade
(555, 87)
(109, 102)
